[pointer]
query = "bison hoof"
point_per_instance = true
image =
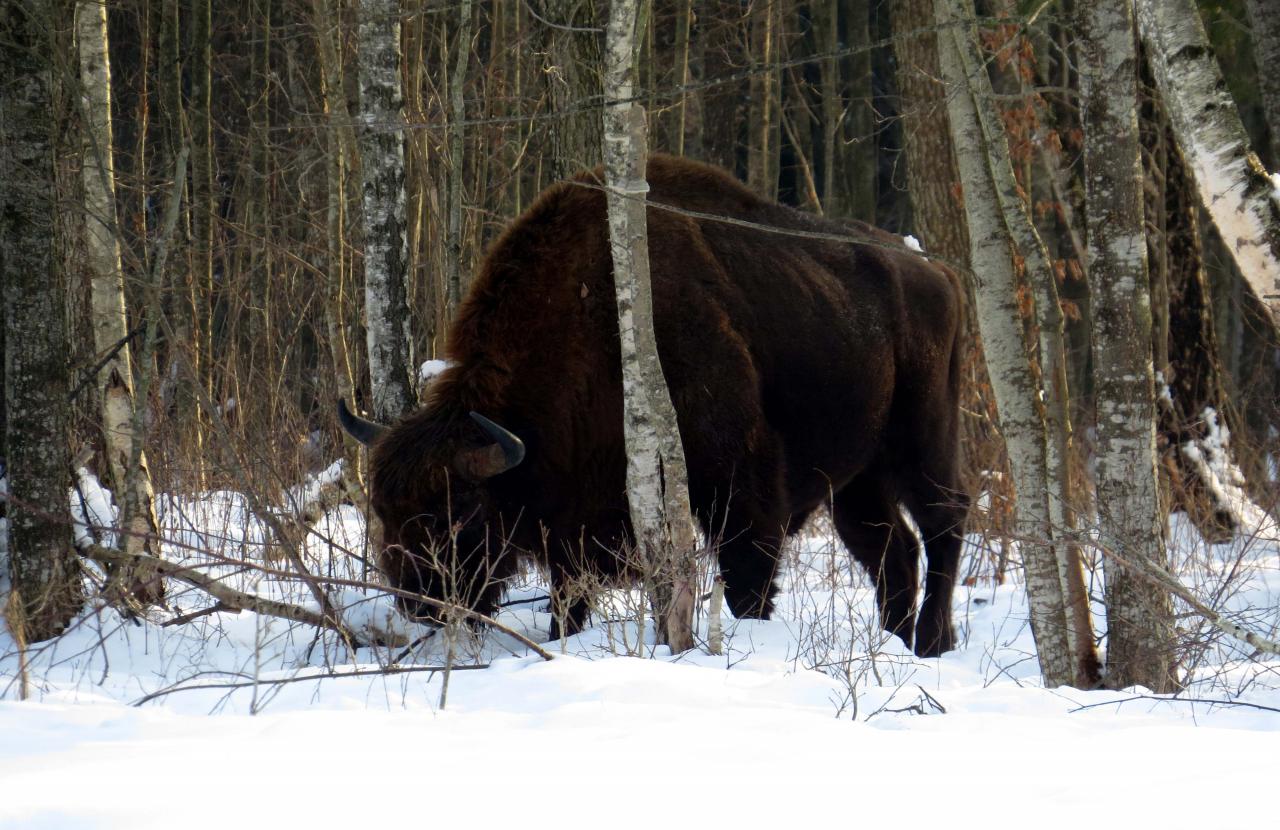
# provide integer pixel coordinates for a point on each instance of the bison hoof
(555, 633)
(934, 643)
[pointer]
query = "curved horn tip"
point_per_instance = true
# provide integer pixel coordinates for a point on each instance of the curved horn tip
(364, 431)
(512, 446)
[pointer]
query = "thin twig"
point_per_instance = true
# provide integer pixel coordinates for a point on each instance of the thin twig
(1174, 699)
(330, 675)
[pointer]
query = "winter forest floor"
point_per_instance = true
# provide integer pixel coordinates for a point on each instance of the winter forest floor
(813, 716)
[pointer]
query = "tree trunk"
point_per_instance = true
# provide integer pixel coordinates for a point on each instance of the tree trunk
(657, 481)
(382, 166)
(937, 213)
(993, 207)
(1264, 26)
(457, 166)
(764, 117)
(132, 485)
(686, 137)
(1184, 339)
(44, 571)
(571, 79)
(1140, 633)
(857, 138)
(200, 284)
(1235, 189)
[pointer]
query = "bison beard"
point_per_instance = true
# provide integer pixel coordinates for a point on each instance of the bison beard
(803, 371)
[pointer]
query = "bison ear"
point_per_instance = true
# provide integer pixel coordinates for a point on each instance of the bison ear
(366, 432)
(505, 452)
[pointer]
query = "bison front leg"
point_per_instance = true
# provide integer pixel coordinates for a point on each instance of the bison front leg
(570, 605)
(747, 565)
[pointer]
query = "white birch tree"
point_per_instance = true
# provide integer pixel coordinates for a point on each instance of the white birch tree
(131, 483)
(657, 482)
(1000, 231)
(1234, 186)
(1140, 632)
(382, 166)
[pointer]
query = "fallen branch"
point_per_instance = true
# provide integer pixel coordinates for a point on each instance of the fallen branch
(229, 597)
(183, 619)
(241, 601)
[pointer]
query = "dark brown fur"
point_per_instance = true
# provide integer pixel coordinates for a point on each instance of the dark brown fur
(803, 371)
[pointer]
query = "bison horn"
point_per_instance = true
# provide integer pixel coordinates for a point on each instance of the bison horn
(506, 451)
(366, 432)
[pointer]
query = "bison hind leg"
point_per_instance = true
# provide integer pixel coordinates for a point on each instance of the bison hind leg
(939, 511)
(871, 526)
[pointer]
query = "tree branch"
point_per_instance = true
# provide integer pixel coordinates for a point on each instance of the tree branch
(1146, 570)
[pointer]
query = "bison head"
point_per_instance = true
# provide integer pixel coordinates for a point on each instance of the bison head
(429, 489)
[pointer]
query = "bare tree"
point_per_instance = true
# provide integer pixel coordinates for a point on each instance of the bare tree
(457, 164)
(764, 135)
(1140, 635)
(382, 165)
(1000, 230)
(132, 484)
(657, 481)
(44, 570)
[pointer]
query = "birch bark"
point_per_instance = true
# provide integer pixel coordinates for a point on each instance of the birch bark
(1140, 633)
(1234, 186)
(657, 481)
(995, 212)
(382, 166)
(44, 571)
(132, 485)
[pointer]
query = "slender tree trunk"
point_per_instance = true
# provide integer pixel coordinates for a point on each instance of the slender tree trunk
(382, 167)
(44, 572)
(200, 285)
(571, 81)
(1140, 633)
(686, 135)
(993, 207)
(857, 142)
(657, 481)
(132, 485)
(457, 166)
(1234, 186)
(764, 116)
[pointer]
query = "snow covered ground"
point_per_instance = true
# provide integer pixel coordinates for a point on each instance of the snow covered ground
(812, 717)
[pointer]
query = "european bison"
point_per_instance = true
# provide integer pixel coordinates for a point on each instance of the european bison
(803, 371)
